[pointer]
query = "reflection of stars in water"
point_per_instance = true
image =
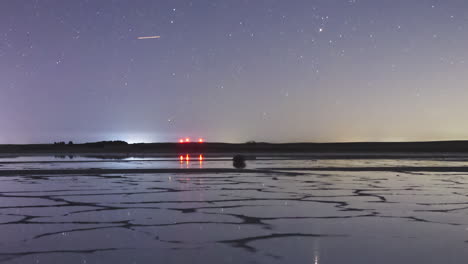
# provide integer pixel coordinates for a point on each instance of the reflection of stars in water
(316, 251)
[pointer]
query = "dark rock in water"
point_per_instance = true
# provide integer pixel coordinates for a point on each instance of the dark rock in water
(239, 161)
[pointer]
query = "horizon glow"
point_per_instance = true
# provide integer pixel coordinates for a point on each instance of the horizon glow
(235, 71)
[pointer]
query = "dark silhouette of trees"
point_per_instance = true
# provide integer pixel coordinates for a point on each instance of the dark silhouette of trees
(102, 144)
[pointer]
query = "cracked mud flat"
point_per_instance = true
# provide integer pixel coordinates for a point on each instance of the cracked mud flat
(255, 217)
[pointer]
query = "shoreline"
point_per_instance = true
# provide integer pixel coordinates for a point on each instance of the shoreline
(100, 172)
(281, 171)
(249, 155)
(367, 150)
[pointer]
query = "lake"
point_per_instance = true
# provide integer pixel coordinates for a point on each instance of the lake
(254, 216)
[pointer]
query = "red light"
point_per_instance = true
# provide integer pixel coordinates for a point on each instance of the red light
(181, 158)
(187, 139)
(200, 140)
(181, 141)
(200, 158)
(187, 157)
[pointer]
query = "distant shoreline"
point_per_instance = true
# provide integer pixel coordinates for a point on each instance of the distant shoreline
(455, 156)
(368, 150)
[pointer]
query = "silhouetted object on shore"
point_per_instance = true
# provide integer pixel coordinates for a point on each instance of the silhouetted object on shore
(239, 161)
(70, 142)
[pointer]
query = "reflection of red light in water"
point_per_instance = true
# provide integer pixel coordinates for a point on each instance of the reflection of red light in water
(186, 158)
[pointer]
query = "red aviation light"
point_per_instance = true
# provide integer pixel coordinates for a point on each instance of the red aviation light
(187, 140)
(181, 158)
(201, 140)
(201, 158)
(181, 141)
(187, 157)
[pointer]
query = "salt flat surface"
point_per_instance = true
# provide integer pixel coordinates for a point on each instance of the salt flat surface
(308, 217)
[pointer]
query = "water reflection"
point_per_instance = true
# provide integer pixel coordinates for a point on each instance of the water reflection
(186, 160)
(81, 162)
(316, 252)
(254, 217)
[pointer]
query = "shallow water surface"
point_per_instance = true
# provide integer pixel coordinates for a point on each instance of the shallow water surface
(84, 162)
(277, 217)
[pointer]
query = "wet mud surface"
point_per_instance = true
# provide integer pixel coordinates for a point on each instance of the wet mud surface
(293, 216)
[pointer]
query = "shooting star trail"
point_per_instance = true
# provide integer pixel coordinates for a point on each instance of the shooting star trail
(151, 37)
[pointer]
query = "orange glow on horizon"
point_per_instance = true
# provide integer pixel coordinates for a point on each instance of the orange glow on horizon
(187, 139)
(200, 140)
(181, 141)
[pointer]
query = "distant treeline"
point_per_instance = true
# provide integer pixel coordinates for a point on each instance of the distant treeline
(102, 144)
(122, 147)
(63, 143)
(252, 146)
(98, 144)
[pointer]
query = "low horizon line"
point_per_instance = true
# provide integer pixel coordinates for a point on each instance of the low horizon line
(246, 142)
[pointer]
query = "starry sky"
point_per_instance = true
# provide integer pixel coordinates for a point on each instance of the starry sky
(234, 70)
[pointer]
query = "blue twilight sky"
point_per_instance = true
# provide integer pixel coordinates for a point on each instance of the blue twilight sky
(237, 70)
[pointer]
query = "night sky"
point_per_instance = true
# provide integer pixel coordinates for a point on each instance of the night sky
(237, 70)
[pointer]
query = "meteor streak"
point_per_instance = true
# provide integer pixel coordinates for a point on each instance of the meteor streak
(151, 37)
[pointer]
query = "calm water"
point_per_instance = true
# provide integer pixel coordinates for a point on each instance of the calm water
(79, 162)
(279, 217)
